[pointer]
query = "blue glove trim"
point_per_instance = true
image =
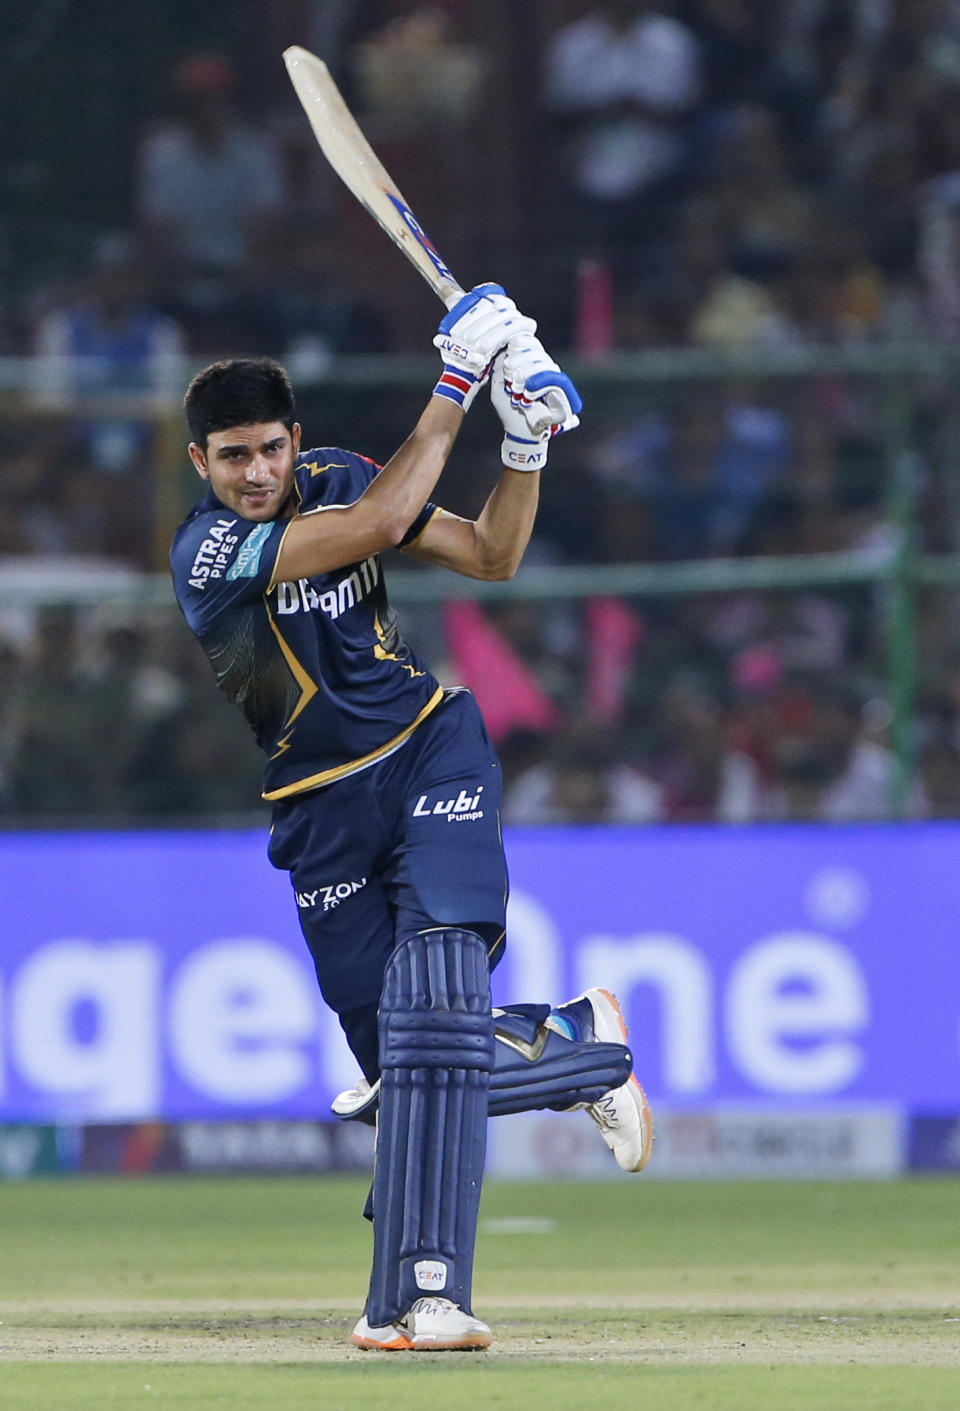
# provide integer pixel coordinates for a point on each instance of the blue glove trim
(520, 440)
(556, 379)
(441, 391)
(468, 302)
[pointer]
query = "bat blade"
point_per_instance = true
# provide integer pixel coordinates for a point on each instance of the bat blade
(360, 169)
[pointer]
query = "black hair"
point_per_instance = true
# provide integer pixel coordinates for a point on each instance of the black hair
(238, 392)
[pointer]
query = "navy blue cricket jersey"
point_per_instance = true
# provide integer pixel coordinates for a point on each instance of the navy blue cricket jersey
(318, 666)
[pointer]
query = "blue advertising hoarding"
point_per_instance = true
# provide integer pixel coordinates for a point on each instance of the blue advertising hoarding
(163, 975)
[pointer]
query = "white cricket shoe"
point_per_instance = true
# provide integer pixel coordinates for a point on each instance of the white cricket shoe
(392, 1338)
(622, 1114)
(438, 1324)
(431, 1325)
(359, 1103)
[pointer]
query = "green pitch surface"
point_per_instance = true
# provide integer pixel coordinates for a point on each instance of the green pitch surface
(191, 1293)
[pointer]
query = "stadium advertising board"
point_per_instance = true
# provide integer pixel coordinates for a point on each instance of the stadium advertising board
(162, 975)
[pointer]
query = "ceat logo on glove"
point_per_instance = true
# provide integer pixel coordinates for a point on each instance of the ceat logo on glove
(430, 1274)
(529, 459)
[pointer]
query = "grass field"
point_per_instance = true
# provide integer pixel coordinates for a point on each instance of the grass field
(192, 1293)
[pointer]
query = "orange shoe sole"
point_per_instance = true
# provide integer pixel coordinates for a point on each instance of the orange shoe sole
(397, 1344)
(646, 1116)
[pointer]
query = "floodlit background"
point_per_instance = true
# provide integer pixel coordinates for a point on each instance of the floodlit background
(725, 685)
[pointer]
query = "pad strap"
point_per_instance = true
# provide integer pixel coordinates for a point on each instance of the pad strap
(538, 1068)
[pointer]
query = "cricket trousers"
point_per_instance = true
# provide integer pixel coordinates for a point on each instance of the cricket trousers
(409, 843)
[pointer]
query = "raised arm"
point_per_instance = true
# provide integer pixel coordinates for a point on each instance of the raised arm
(490, 546)
(529, 391)
(335, 535)
(470, 335)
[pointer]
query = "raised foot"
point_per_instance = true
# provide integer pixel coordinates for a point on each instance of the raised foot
(623, 1114)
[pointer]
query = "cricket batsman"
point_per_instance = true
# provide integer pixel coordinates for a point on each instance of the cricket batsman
(386, 789)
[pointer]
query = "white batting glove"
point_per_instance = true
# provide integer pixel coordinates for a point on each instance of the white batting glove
(471, 335)
(534, 400)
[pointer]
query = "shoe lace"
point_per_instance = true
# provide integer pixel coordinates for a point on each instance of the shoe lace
(432, 1305)
(607, 1108)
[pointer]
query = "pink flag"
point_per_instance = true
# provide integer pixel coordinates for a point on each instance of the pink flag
(507, 692)
(614, 632)
(594, 329)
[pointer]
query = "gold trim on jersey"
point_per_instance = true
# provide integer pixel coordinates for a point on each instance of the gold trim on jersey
(308, 687)
(276, 563)
(381, 653)
(410, 542)
(315, 469)
(340, 771)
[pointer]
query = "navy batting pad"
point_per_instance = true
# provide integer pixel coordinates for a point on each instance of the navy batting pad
(536, 1068)
(436, 1055)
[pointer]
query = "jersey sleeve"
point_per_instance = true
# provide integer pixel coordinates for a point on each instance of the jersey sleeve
(220, 562)
(419, 524)
(329, 475)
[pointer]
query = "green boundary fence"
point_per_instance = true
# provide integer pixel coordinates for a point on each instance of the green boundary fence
(897, 570)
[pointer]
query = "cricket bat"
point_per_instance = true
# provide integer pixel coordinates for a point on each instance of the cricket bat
(360, 169)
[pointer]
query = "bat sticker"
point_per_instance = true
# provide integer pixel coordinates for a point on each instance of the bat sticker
(421, 236)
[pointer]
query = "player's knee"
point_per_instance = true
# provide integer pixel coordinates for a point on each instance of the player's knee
(435, 1006)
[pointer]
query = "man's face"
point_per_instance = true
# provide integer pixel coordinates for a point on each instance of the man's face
(250, 468)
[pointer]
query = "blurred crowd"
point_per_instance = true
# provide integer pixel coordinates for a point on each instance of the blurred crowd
(747, 172)
(746, 176)
(737, 707)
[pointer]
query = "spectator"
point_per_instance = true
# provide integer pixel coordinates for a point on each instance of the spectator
(737, 43)
(56, 769)
(315, 311)
(108, 343)
(693, 486)
(110, 338)
(939, 770)
(209, 186)
(31, 523)
(12, 670)
(620, 84)
(849, 738)
(764, 211)
(830, 760)
(416, 75)
(582, 780)
(693, 763)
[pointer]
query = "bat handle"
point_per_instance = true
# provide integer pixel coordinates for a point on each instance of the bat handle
(451, 294)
